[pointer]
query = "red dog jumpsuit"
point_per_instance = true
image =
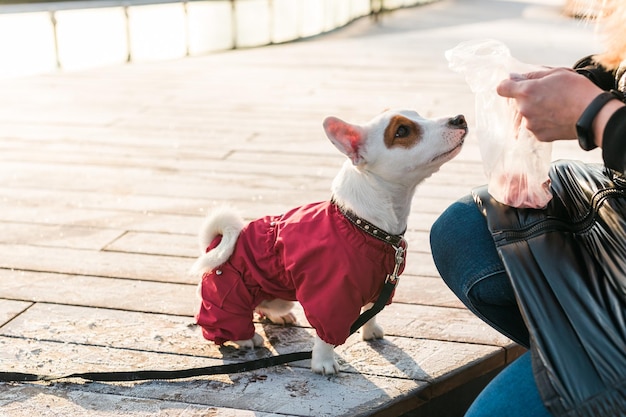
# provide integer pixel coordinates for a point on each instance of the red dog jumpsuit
(312, 254)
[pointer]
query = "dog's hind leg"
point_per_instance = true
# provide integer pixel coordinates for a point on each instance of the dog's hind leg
(277, 311)
(371, 329)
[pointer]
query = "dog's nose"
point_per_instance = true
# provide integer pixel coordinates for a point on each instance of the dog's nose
(458, 122)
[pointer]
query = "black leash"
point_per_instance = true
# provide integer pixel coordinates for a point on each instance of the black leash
(231, 368)
(162, 375)
(391, 281)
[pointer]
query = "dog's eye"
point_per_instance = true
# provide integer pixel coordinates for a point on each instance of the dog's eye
(402, 131)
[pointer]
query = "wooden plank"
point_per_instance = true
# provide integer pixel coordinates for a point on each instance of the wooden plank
(98, 329)
(186, 139)
(438, 323)
(96, 263)
(294, 391)
(162, 297)
(396, 355)
(188, 186)
(111, 219)
(425, 291)
(171, 160)
(408, 320)
(66, 236)
(420, 264)
(167, 244)
(29, 400)
(9, 309)
(122, 294)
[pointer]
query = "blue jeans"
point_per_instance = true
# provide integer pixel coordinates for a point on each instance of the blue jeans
(467, 260)
(512, 393)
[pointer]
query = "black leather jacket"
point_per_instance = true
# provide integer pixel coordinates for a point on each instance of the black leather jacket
(567, 264)
(614, 139)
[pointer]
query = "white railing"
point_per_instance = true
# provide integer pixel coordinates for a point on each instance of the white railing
(45, 37)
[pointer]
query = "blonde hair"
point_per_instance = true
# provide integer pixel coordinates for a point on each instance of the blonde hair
(611, 19)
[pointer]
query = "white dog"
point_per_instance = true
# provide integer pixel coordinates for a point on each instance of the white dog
(333, 256)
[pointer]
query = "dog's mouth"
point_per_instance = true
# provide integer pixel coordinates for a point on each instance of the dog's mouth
(451, 153)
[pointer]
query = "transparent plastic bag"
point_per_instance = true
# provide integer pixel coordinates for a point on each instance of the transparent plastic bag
(515, 161)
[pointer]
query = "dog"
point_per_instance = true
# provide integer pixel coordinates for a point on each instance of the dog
(332, 256)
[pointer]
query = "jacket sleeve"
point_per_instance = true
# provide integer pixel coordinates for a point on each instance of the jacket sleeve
(614, 137)
(614, 141)
(599, 75)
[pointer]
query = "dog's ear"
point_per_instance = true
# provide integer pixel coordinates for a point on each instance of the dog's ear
(346, 137)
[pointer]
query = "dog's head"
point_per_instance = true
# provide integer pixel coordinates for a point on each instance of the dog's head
(400, 146)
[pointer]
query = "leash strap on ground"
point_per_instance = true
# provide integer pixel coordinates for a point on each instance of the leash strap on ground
(162, 375)
(231, 368)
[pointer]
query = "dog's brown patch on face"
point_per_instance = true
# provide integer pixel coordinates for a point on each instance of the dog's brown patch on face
(402, 132)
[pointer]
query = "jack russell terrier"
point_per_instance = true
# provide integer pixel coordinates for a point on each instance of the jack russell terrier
(332, 256)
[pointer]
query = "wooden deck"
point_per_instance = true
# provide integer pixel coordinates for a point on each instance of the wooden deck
(106, 175)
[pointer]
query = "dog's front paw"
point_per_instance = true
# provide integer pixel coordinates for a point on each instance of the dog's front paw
(328, 367)
(323, 358)
(372, 330)
(257, 340)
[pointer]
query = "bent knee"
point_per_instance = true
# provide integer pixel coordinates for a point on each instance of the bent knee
(453, 234)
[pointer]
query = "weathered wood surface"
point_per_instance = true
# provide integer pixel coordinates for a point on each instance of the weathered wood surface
(105, 176)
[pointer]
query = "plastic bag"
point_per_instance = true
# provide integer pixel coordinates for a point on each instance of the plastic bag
(515, 161)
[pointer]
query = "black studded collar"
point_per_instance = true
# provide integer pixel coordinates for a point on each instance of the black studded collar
(369, 228)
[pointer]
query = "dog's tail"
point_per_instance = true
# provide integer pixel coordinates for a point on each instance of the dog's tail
(222, 221)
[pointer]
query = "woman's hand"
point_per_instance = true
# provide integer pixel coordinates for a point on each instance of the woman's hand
(550, 101)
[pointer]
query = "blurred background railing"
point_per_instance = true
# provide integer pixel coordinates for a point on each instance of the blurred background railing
(45, 36)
